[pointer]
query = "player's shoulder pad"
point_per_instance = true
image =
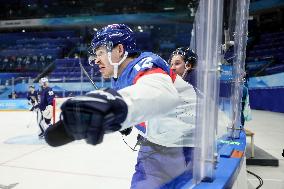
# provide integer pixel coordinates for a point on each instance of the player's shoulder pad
(150, 60)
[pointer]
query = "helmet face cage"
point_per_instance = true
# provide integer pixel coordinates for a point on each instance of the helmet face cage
(91, 60)
(43, 80)
(188, 55)
(92, 55)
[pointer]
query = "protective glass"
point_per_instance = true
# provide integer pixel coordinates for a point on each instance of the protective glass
(219, 38)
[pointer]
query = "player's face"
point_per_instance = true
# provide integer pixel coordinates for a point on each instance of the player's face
(31, 89)
(102, 61)
(43, 85)
(178, 64)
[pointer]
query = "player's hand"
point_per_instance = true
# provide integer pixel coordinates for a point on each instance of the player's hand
(91, 116)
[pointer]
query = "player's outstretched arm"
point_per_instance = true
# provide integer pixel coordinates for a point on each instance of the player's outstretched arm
(88, 117)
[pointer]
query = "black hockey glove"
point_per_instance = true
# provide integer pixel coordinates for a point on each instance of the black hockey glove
(88, 117)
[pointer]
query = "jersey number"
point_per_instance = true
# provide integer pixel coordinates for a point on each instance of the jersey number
(147, 62)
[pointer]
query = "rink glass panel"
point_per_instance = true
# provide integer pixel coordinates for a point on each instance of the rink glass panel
(219, 40)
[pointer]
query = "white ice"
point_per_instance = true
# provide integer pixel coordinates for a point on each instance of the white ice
(29, 163)
(26, 162)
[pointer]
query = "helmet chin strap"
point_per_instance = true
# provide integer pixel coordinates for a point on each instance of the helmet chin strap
(115, 65)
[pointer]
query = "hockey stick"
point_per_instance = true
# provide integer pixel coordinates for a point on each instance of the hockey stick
(31, 120)
(45, 72)
(86, 73)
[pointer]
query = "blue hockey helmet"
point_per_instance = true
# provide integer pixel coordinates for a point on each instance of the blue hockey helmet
(110, 36)
(188, 55)
(115, 34)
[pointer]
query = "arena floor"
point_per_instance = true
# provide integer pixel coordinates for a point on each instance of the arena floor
(28, 163)
(269, 136)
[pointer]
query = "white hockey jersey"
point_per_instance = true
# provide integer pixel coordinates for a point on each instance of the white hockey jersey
(168, 109)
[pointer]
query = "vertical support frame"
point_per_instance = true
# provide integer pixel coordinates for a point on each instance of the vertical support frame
(208, 33)
(240, 41)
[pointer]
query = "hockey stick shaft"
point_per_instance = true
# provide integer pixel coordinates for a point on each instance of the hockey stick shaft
(31, 120)
(45, 72)
(86, 73)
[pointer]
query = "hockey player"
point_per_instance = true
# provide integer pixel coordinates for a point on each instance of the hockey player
(183, 61)
(145, 93)
(33, 97)
(45, 106)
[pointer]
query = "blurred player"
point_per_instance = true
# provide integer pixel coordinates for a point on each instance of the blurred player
(33, 97)
(146, 94)
(45, 106)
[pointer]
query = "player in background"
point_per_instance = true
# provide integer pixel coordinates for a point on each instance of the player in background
(45, 105)
(183, 61)
(146, 94)
(32, 97)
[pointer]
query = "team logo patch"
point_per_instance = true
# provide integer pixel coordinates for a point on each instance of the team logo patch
(141, 127)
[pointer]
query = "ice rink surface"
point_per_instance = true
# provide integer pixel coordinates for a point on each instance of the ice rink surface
(29, 163)
(26, 162)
